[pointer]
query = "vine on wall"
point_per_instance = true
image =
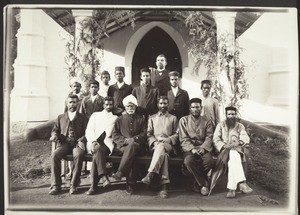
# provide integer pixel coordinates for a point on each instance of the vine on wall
(229, 83)
(84, 54)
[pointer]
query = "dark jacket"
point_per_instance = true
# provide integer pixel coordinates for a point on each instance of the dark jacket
(162, 82)
(119, 94)
(147, 99)
(61, 126)
(179, 104)
(87, 106)
(130, 126)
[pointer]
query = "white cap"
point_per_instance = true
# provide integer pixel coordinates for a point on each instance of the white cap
(129, 99)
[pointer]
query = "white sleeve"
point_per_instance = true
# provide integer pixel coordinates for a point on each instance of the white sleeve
(90, 130)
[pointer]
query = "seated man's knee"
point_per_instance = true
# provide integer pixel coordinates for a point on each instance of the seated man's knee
(78, 153)
(234, 155)
(188, 161)
(159, 148)
(133, 145)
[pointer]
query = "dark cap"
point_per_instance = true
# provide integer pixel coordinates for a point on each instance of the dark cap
(94, 82)
(145, 70)
(230, 108)
(120, 68)
(195, 100)
(173, 73)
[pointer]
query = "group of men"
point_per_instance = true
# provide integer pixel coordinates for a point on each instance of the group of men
(156, 117)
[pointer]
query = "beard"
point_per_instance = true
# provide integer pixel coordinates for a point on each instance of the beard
(230, 122)
(160, 66)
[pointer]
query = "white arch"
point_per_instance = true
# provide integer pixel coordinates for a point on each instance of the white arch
(142, 31)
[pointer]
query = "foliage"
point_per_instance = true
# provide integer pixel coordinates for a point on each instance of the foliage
(15, 16)
(208, 50)
(269, 163)
(84, 56)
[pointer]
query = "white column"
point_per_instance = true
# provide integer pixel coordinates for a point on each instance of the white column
(29, 97)
(279, 74)
(83, 48)
(225, 22)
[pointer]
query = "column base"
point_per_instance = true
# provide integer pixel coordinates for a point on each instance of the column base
(29, 108)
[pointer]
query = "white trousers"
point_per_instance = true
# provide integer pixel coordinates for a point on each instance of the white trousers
(235, 170)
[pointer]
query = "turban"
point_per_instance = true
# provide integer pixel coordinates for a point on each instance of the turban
(195, 100)
(129, 99)
(230, 108)
(75, 80)
(173, 73)
(120, 68)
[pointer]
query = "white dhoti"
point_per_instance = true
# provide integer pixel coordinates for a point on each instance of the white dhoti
(235, 170)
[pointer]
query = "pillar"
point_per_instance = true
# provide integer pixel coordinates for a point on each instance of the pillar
(279, 78)
(80, 17)
(225, 22)
(29, 97)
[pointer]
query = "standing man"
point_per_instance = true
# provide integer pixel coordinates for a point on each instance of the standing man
(195, 136)
(93, 102)
(129, 135)
(210, 105)
(146, 94)
(105, 78)
(76, 90)
(160, 75)
(100, 143)
(162, 139)
(68, 133)
(231, 140)
(119, 90)
(178, 98)
(90, 104)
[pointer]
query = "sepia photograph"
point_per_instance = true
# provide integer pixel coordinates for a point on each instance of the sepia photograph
(150, 109)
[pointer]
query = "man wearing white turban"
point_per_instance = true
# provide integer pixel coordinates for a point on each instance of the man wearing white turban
(129, 135)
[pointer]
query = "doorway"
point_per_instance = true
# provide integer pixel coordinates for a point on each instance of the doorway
(155, 42)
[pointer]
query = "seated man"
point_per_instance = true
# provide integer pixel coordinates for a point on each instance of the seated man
(129, 135)
(162, 138)
(230, 138)
(195, 136)
(99, 143)
(68, 133)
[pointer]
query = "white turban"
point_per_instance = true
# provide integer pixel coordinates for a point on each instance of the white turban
(75, 80)
(129, 99)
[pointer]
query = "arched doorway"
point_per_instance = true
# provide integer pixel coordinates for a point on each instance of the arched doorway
(155, 42)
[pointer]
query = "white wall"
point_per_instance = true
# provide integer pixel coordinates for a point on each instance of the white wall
(57, 82)
(271, 52)
(270, 45)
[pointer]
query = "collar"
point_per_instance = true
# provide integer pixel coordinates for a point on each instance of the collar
(158, 70)
(162, 114)
(144, 85)
(175, 89)
(71, 115)
(120, 84)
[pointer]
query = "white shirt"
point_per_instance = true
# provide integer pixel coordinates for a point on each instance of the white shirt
(100, 122)
(120, 84)
(174, 90)
(71, 115)
(103, 90)
(93, 97)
